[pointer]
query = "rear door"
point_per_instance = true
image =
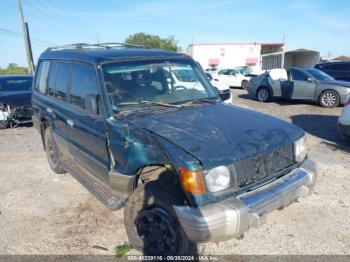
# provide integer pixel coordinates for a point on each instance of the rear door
(57, 106)
(303, 86)
(86, 130)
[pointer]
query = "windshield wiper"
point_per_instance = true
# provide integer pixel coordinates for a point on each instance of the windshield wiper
(202, 100)
(147, 102)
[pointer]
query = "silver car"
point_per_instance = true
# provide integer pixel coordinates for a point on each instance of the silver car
(299, 83)
(344, 119)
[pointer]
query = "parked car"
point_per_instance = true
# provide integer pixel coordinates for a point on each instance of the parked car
(300, 84)
(187, 167)
(344, 119)
(15, 100)
(212, 70)
(338, 70)
(249, 71)
(232, 78)
(223, 90)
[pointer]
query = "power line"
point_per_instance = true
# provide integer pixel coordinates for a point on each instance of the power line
(16, 34)
(55, 20)
(72, 18)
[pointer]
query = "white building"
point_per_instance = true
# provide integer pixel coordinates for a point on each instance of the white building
(263, 56)
(232, 54)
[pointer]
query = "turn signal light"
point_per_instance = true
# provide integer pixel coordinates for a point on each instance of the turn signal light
(192, 181)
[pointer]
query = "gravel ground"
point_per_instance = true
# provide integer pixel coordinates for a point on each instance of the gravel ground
(45, 213)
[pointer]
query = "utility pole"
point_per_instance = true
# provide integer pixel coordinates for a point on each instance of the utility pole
(98, 38)
(26, 40)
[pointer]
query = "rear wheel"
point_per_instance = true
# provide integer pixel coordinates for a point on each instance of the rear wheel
(3, 125)
(52, 153)
(244, 84)
(264, 94)
(151, 223)
(329, 98)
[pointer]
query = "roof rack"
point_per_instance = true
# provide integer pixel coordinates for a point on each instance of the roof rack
(99, 45)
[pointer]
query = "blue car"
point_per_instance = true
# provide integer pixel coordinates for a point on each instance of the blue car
(15, 100)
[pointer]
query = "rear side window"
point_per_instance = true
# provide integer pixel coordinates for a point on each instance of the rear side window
(52, 79)
(41, 80)
(298, 76)
(19, 84)
(83, 84)
(337, 67)
(61, 82)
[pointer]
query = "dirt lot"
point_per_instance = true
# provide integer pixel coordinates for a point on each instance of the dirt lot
(45, 213)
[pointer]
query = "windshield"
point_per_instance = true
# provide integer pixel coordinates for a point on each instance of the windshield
(168, 82)
(244, 70)
(319, 75)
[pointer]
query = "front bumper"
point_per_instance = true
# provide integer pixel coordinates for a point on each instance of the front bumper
(232, 217)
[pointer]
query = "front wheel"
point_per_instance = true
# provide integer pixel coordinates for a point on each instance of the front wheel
(151, 223)
(329, 98)
(264, 94)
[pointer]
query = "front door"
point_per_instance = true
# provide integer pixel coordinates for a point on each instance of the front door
(86, 130)
(303, 86)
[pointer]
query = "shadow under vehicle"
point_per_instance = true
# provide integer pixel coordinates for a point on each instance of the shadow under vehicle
(187, 167)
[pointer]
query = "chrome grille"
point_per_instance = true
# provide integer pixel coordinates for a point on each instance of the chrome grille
(252, 169)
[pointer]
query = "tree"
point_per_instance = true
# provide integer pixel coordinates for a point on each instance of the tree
(13, 69)
(153, 41)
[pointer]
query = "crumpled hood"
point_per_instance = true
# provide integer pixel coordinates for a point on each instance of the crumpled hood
(337, 83)
(220, 134)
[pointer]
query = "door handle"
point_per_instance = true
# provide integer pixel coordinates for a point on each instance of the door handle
(49, 110)
(70, 122)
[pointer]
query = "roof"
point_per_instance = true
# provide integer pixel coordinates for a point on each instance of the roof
(16, 76)
(334, 62)
(244, 43)
(302, 50)
(99, 55)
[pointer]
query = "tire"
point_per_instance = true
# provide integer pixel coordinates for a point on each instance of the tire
(263, 94)
(52, 153)
(244, 84)
(151, 223)
(329, 98)
(3, 125)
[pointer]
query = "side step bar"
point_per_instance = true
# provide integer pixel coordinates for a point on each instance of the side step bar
(96, 187)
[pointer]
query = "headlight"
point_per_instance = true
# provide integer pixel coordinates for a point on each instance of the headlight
(218, 179)
(300, 149)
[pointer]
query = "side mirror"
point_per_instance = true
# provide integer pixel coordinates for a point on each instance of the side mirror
(310, 79)
(91, 104)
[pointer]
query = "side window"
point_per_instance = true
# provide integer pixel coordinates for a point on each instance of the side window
(41, 79)
(83, 84)
(51, 79)
(340, 67)
(298, 76)
(224, 72)
(61, 82)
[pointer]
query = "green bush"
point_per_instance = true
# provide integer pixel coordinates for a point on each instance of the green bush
(14, 69)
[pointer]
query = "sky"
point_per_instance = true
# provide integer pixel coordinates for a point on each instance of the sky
(322, 25)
